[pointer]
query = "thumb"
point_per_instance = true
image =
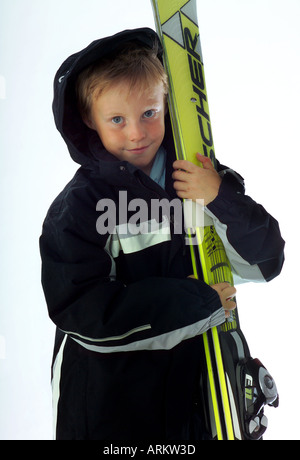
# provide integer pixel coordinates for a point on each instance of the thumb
(205, 161)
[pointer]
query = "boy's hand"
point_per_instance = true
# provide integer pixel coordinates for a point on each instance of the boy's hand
(226, 293)
(193, 182)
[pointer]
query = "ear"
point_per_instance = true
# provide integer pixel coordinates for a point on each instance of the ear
(89, 122)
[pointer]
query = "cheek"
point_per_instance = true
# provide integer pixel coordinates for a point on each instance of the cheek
(109, 137)
(158, 130)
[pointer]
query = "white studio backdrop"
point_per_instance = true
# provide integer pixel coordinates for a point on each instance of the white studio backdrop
(251, 52)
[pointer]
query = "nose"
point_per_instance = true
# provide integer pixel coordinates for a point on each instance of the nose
(136, 131)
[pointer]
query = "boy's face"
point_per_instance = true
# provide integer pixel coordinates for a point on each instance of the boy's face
(130, 123)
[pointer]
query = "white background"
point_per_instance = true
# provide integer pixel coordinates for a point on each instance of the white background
(251, 52)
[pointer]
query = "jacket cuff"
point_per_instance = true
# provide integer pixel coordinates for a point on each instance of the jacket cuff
(231, 187)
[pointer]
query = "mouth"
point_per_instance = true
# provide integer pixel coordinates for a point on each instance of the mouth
(138, 150)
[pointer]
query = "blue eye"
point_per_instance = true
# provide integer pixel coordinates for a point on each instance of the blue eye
(149, 113)
(117, 120)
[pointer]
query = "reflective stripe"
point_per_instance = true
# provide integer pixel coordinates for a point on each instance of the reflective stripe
(241, 269)
(56, 382)
(131, 237)
(116, 337)
(165, 341)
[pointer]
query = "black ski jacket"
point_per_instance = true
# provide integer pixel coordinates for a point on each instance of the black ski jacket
(126, 356)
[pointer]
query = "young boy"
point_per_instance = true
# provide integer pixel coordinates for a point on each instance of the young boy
(129, 316)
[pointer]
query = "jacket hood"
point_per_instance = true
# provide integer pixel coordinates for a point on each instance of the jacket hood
(84, 143)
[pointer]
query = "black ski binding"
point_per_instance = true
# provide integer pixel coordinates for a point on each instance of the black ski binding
(257, 389)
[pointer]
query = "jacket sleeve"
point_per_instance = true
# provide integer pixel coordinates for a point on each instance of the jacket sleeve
(251, 236)
(102, 314)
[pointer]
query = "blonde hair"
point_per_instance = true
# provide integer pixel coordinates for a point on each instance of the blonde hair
(138, 66)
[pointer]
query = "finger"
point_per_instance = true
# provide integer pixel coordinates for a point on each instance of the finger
(184, 165)
(205, 161)
(229, 292)
(182, 194)
(230, 305)
(227, 314)
(181, 190)
(180, 175)
(221, 286)
(180, 182)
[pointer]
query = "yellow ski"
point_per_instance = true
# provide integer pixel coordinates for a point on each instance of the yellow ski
(235, 386)
(176, 23)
